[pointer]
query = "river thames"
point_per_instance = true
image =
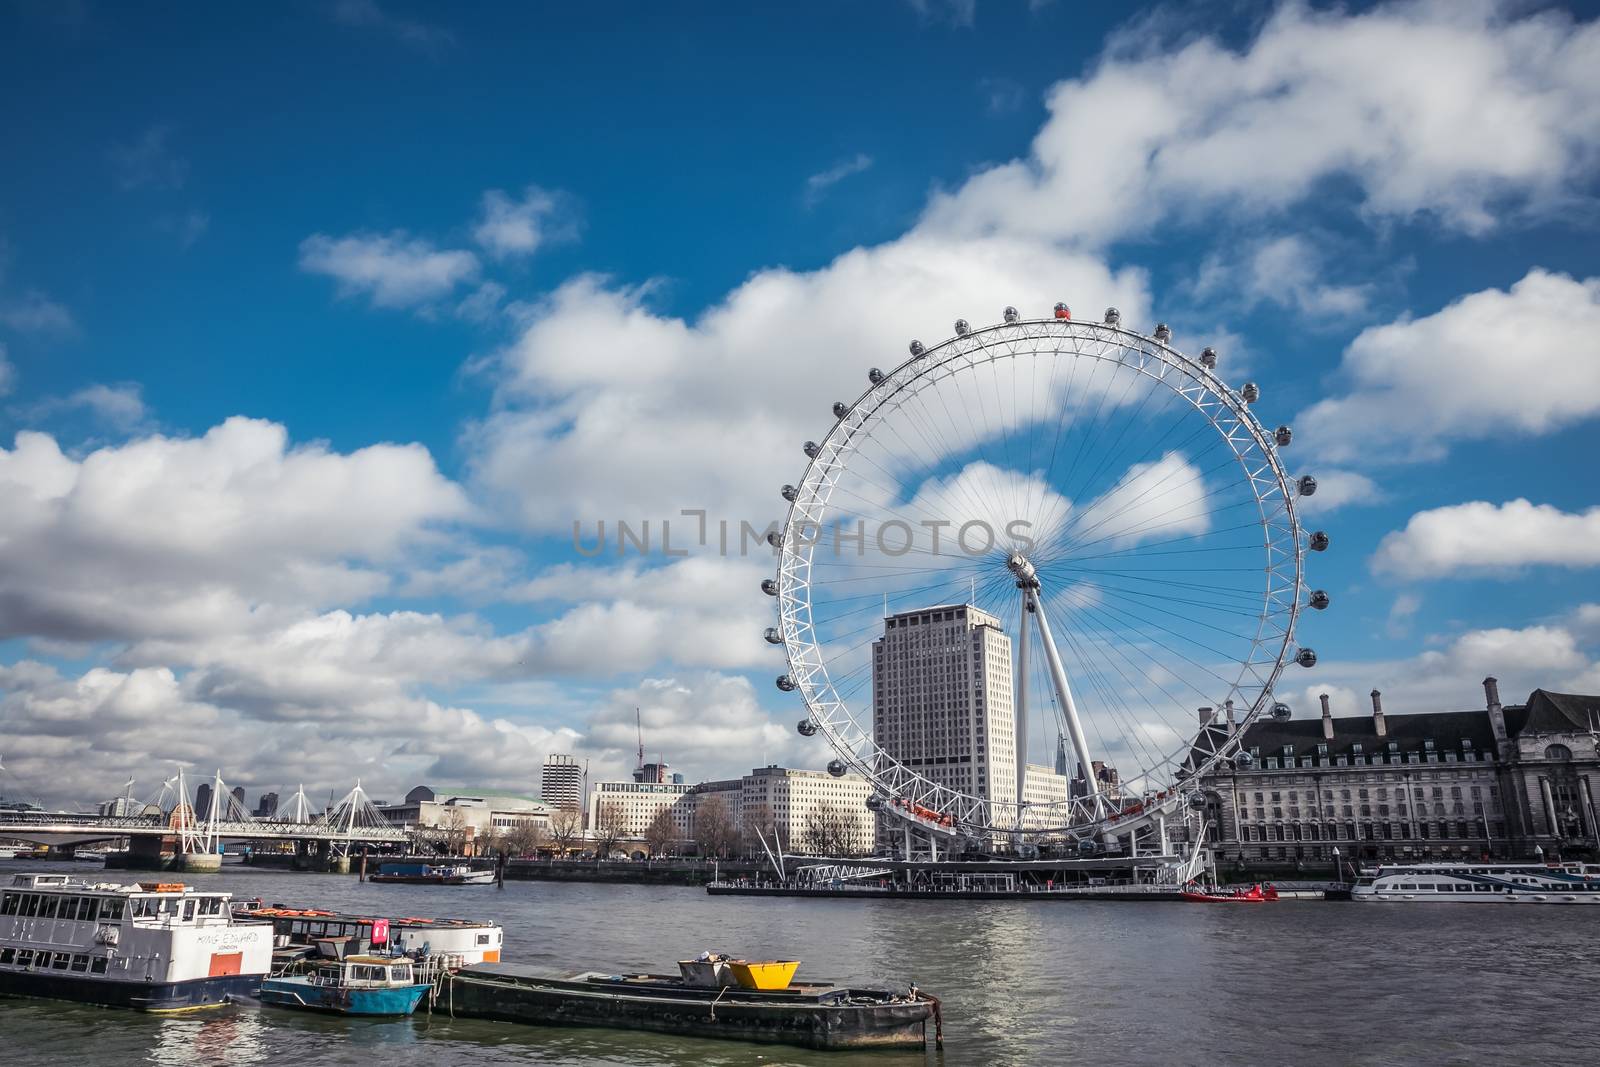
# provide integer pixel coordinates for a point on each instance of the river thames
(1100, 983)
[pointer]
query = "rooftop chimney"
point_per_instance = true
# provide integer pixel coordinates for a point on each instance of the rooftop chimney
(1497, 715)
(1327, 718)
(1232, 725)
(1378, 725)
(1207, 717)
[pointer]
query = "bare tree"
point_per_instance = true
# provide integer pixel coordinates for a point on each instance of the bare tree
(566, 826)
(714, 829)
(610, 826)
(524, 838)
(830, 830)
(662, 833)
(456, 831)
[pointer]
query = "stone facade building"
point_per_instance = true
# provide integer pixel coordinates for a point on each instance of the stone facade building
(1509, 782)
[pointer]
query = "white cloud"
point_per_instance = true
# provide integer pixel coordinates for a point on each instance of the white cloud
(1486, 537)
(165, 536)
(1492, 363)
(1401, 612)
(1457, 111)
(510, 227)
(1340, 488)
(1288, 271)
(1446, 679)
(33, 312)
(821, 182)
(394, 269)
(598, 385)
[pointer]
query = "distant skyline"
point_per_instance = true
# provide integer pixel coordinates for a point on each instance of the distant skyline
(321, 324)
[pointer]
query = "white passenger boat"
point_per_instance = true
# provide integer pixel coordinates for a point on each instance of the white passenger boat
(466, 941)
(157, 946)
(1482, 883)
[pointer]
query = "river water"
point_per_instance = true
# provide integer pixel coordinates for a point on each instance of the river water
(1088, 982)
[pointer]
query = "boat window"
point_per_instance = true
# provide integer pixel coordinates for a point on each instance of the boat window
(188, 910)
(24, 957)
(9, 903)
(483, 939)
(90, 912)
(111, 909)
(210, 905)
(30, 904)
(1410, 887)
(80, 963)
(61, 961)
(1483, 889)
(8, 955)
(98, 965)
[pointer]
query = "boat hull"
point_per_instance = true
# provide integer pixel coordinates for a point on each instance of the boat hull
(775, 1018)
(302, 994)
(475, 878)
(143, 996)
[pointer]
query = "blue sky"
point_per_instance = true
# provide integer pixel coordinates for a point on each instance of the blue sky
(444, 250)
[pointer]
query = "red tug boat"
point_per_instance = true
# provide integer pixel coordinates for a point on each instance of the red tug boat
(1256, 894)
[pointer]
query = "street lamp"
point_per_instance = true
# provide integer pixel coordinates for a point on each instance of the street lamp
(1538, 853)
(1338, 875)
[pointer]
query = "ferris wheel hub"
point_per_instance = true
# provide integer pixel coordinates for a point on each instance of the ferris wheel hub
(1023, 568)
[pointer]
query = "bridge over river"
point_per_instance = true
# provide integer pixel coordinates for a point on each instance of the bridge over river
(170, 822)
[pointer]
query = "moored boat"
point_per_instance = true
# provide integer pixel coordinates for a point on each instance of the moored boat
(431, 874)
(1481, 883)
(464, 941)
(355, 985)
(156, 946)
(1256, 894)
(820, 1016)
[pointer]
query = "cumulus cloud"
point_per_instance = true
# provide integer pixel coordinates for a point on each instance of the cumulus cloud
(1480, 536)
(1456, 111)
(1494, 362)
(598, 382)
(519, 227)
(169, 535)
(1287, 270)
(1340, 488)
(1446, 679)
(394, 269)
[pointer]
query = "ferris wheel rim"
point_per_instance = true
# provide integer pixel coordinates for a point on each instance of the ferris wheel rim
(943, 807)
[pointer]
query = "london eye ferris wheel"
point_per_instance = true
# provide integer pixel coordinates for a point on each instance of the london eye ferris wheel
(1112, 521)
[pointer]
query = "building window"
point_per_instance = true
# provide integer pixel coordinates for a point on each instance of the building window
(1558, 752)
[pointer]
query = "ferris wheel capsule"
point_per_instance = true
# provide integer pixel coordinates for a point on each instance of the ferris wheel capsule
(962, 329)
(785, 683)
(874, 803)
(769, 586)
(1163, 332)
(806, 727)
(837, 768)
(1064, 312)
(789, 492)
(773, 635)
(1251, 392)
(1317, 542)
(1283, 435)
(1307, 485)
(916, 349)
(811, 449)
(1306, 658)
(875, 376)
(840, 409)
(1243, 759)
(1197, 801)
(1010, 314)
(1282, 712)
(1208, 358)
(1318, 599)
(1113, 316)
(774, 538)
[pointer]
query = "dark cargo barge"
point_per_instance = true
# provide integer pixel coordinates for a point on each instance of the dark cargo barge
(810, 1015)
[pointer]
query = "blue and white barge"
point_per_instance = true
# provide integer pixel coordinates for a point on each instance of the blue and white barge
(156, 946)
